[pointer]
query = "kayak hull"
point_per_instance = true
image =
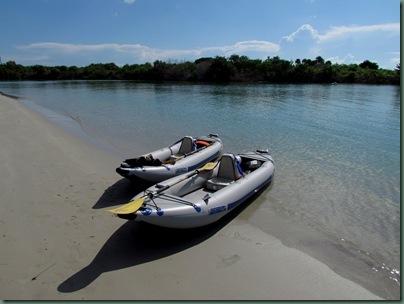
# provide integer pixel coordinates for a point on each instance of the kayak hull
(191, 202)
(170, 162)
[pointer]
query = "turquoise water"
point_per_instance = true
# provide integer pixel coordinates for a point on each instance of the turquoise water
(336, 194)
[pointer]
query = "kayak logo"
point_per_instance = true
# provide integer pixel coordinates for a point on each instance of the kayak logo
(181, 170)
(146, 211)
(217, 210)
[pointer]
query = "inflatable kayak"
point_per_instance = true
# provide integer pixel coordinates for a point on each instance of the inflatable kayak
(204, 195)
(181, 157)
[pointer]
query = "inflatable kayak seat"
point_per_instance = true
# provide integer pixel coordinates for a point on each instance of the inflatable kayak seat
(228, 172)
(187, 145)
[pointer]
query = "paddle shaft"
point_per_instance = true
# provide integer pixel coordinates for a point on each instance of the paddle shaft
(173, 184)
(207, 167)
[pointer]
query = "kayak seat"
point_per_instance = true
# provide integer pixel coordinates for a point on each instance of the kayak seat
(228, 172)
(187, 145)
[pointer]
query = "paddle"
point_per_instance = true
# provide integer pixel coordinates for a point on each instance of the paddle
(135, 204)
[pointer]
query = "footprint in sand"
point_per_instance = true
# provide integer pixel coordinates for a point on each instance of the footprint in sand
(227, 261)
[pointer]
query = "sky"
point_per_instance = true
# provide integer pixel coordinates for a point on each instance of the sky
(82, 32)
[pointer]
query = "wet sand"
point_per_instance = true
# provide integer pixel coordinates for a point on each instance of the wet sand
(58, 244)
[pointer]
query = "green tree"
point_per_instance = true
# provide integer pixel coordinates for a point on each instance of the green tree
(319, 60)
(221, 70)
(202, 67)
(159, 70)
(277, 70)
(236, 68)
(12, 71)
(369, 65)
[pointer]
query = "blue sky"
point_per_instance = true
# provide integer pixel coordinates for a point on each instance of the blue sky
(81, 32)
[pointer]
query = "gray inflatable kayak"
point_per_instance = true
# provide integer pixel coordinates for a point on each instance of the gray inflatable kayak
(202, 196)
(181, 157)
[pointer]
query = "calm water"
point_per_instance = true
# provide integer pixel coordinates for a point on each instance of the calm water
(336, 194)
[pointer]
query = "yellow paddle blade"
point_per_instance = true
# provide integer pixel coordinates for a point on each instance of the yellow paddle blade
(130, 207)
(208, 166)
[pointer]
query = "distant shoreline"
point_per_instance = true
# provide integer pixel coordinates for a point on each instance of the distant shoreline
(235, 69)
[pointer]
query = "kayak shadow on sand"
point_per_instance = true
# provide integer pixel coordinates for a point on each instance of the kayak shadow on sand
(120, 193)
(137, 243)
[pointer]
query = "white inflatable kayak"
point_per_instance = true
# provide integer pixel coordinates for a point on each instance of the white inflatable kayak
(181, 157)
(202, 196)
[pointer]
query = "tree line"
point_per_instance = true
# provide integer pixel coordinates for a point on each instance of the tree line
(219, 69)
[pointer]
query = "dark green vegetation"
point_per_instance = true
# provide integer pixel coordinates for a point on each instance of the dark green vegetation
(219, 69)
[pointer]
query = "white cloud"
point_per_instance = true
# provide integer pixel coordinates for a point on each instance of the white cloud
(242, 47)
(364, 42)
(129, 1)
(305, 28)
(338, 32)
(342, 32)
(77, 48)
(145, 53)
(252, 45)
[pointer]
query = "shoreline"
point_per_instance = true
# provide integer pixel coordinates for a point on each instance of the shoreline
(50, 208)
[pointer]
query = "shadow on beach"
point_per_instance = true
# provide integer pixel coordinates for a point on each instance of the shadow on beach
(137, 243)
(120, 193)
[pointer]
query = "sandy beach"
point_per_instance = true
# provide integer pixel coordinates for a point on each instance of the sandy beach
(58, 244)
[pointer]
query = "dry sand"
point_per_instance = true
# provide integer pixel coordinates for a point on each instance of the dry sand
(58, 244)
